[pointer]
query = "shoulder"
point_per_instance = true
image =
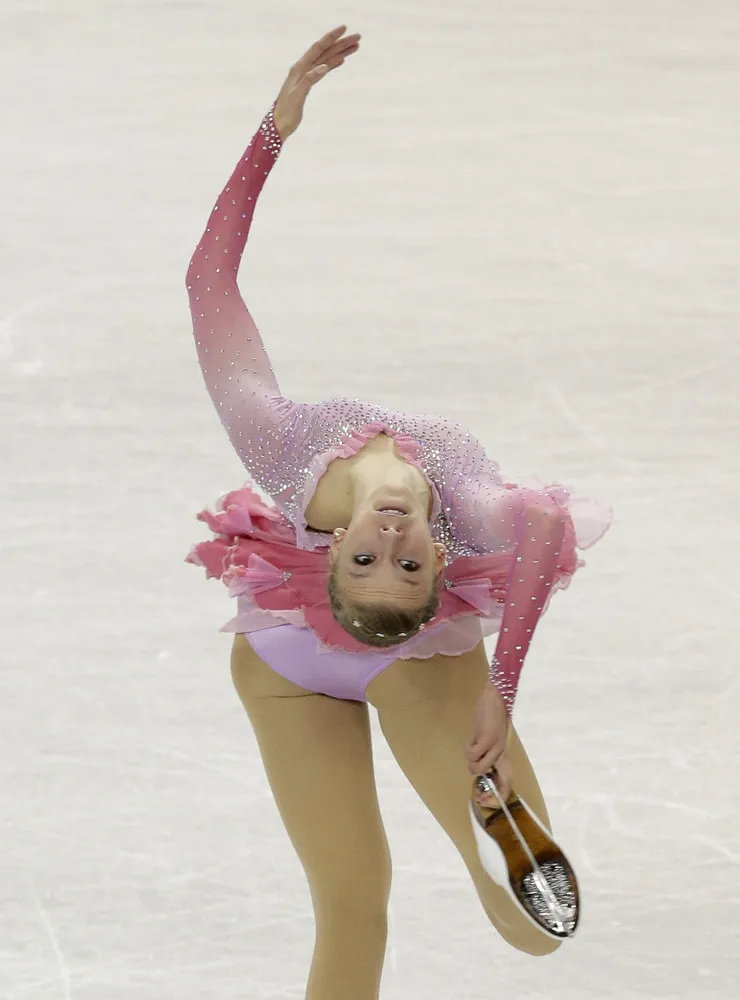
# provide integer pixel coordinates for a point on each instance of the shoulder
(456, 449)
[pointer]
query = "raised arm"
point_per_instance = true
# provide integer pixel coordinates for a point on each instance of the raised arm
(235, 364)
(233, 358)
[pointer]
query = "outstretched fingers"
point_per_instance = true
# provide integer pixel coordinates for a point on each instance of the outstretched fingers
(337, 59)
(313, 56)
(329, 51)
(323, 57)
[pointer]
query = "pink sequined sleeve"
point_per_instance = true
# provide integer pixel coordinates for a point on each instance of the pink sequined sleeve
(532, 524)
(232, 356)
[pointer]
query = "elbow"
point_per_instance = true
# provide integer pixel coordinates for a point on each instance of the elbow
(547, 515)
(201, 261)
(542, 506)
(191, 272)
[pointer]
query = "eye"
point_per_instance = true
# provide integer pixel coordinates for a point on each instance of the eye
(409, 565)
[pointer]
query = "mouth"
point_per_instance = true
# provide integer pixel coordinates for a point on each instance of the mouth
(394, 511)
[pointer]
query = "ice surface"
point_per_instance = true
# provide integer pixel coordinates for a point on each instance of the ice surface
(523, 214)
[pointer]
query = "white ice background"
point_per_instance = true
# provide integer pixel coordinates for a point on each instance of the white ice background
(524, 215)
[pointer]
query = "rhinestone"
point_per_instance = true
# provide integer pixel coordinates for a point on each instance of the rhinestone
(286, 446)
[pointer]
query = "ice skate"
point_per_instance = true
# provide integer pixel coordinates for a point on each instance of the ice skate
(519, 854)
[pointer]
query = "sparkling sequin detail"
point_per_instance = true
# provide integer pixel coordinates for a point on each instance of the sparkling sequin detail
(281, 442)
(504, 682)
(559, 883)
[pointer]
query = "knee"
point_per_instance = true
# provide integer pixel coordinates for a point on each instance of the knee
(355, 895)
(537, 944)
(528, 940)
(520, 933)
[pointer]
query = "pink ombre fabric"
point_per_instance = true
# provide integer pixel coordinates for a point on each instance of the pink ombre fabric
(524, 538)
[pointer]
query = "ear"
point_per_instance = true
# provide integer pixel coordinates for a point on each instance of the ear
(336, 541)
(439, 556)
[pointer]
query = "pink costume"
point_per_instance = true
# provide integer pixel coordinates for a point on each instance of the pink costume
(529, 535)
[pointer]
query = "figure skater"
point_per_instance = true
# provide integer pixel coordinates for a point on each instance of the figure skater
(391, 548)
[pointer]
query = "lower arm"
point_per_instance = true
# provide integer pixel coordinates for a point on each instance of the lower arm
(536, 555)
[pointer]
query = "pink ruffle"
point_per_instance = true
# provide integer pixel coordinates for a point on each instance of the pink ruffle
(408, 448)
(250, 618)
(275, 582)
(589, 519)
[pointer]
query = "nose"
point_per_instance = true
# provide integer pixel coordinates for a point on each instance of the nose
(387, 530)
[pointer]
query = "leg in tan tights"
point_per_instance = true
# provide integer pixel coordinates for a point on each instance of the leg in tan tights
(318, 759)
(425, 709)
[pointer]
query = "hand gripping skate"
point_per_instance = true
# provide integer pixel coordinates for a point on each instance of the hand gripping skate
(519, 854)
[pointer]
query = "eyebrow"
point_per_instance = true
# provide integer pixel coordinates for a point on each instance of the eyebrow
(365, 576)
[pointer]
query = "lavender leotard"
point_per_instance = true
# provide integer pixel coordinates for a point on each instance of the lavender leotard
(293, 654)
(287, 446)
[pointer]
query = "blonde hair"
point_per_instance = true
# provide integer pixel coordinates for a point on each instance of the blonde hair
(377, 625)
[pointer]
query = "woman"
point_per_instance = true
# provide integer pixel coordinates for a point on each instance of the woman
(391, 505)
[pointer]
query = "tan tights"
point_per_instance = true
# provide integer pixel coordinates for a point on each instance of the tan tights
(318, 758)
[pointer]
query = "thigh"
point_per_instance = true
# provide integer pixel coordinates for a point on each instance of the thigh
(317, 755)
(425, 709)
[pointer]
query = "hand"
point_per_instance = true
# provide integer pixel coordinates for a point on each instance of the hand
(323, 56)
(487, 748)
(503, 779)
